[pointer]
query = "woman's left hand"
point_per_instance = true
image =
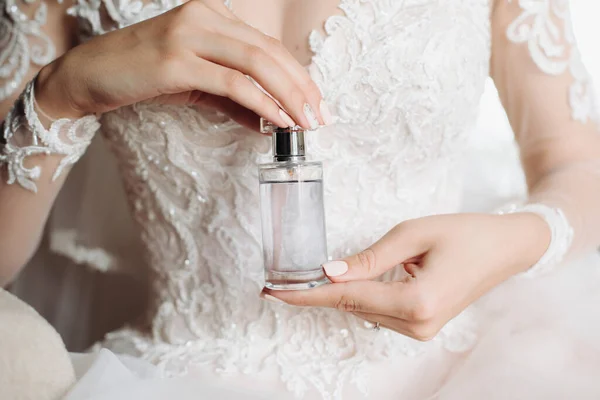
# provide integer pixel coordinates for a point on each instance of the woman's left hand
(450, 261)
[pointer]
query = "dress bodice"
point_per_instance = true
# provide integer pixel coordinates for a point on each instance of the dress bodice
(405, 103)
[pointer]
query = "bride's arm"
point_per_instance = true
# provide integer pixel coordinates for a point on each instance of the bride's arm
(29, 37)
(548, 96)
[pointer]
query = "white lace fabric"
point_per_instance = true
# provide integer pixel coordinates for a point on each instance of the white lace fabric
(406, 106)
(25, 136)
(23, 44)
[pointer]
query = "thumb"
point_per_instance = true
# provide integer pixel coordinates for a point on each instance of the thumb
(402, 243)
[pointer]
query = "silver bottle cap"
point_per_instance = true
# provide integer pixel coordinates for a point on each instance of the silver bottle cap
(288, 143)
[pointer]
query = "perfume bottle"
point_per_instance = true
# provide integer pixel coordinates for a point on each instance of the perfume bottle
(293, 215)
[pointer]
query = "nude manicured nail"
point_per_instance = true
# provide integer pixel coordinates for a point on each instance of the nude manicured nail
(272, 299)
(286, 118)
(335, 268)
(310, 116)
(325, 113)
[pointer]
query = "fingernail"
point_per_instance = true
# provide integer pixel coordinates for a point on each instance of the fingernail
(325, 113)
(310, 116)
(272, 299)
(335, 268)
(286, 118)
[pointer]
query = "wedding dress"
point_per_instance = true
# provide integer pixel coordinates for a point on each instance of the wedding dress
(405, 78)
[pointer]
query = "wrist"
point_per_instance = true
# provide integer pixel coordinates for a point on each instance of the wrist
(534, 237)
(53, 97)
(530, 237)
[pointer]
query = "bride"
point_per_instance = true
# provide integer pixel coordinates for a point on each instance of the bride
(394, 87)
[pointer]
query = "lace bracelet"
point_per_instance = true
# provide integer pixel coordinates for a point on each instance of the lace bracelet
(561, 235)
(24, 136)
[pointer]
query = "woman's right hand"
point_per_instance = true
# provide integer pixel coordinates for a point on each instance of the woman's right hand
(197, 53)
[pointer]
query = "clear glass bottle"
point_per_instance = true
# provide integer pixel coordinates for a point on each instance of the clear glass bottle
(293, 215)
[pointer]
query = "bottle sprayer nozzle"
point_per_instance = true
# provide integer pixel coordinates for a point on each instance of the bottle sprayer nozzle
(288, 143)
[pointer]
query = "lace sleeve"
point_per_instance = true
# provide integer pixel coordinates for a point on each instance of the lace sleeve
(34, 150)
(28, 43)
(548, 96)
(25, 136)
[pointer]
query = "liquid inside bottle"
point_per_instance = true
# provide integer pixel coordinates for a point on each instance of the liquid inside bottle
(294, 239)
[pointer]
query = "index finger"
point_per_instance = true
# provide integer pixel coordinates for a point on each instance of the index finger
(294, 71)
(386, 298)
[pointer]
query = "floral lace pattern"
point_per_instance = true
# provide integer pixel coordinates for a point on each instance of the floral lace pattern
(545, 26)
(25, 136)
(22, 43)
